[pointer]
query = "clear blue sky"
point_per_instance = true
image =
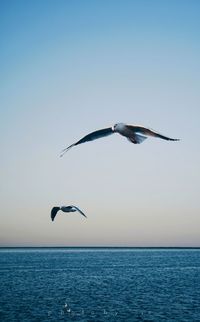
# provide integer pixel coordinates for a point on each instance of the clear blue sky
(70, 67)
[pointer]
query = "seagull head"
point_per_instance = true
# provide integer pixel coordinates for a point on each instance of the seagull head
(114, 127)
(117, 127)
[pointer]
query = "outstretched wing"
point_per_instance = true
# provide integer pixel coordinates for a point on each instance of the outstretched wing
(145, 131)
(54, 212)
(90, 137)
(79, 211)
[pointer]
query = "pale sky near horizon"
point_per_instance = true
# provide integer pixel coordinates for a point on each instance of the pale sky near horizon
(68, 68)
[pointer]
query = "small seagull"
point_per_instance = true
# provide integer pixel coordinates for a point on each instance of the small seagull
(65, 209)
(134, 133)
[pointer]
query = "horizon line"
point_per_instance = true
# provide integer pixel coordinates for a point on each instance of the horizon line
(119, 247)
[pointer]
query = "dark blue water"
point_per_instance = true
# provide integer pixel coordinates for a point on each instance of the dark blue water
(100, 285)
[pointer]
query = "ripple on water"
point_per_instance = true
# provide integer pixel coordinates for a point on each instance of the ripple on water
(90, 285)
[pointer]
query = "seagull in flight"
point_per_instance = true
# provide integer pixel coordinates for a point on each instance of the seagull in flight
(134, 133)
(65, 209)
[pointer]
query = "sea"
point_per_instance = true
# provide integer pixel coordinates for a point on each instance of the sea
(99, 284)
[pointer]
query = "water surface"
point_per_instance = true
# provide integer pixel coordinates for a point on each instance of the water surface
(83, 284)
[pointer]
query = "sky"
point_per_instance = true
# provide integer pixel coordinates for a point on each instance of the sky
(68, 68)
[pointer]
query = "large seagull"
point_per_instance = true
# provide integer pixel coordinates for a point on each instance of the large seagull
(65, 209)
(134, 133)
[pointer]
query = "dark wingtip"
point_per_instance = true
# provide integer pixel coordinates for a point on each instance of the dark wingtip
(65, 150)
(54, 212)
